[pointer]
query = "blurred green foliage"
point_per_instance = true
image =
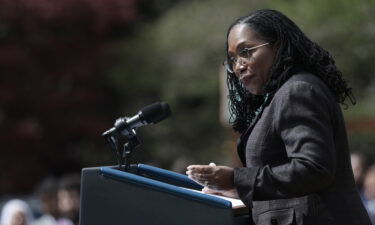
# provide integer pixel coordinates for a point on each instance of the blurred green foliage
(118, 61)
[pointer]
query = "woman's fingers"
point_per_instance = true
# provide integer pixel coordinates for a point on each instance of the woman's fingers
(201, 178)
(202, 174)
(200, 168)
(214, 177)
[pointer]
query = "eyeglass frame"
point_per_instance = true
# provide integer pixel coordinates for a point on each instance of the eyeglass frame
(229, 67)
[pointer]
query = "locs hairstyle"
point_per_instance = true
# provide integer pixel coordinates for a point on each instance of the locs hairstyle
(294, 50)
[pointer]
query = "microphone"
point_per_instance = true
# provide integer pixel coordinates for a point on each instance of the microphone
(150, 114)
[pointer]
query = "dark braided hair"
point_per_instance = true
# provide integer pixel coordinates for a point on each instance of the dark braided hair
(294, 50)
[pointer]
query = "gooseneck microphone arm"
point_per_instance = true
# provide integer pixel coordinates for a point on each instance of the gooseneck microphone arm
(126, 127)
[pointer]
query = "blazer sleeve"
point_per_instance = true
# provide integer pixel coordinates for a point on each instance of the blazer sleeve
(303, 120)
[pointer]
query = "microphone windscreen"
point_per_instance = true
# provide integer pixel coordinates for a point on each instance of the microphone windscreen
(155, 112)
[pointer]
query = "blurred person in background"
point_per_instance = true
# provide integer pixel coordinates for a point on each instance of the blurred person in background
(16, 212)
(68, 199)
(285, 93)
(359, 166)
(47, 194)
(369, 192)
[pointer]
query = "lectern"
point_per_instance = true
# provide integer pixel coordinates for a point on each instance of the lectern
(147, 195)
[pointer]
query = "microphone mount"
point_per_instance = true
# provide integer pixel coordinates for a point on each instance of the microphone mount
(126, 127)
(122, 154)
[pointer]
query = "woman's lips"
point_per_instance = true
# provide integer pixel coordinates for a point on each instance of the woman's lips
(245, 79)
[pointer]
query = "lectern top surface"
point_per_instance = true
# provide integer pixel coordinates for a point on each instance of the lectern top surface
(164, 187)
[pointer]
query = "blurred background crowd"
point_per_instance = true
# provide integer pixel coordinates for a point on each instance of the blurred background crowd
(69, 68)
(364, 176)
(55, 201)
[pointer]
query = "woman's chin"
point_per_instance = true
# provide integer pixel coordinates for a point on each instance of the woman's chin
(253, 90)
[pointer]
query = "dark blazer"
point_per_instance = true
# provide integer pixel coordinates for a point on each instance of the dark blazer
(296, 157)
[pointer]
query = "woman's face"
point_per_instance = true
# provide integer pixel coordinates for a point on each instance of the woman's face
(254, 69)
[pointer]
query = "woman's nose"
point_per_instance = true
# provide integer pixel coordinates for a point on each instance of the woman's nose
(240, 66)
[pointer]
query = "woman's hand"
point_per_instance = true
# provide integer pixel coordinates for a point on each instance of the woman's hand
(219, 178)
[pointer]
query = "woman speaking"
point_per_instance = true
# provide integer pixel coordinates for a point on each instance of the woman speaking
(285, 93)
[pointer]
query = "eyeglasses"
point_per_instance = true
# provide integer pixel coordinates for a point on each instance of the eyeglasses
(244, 54)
